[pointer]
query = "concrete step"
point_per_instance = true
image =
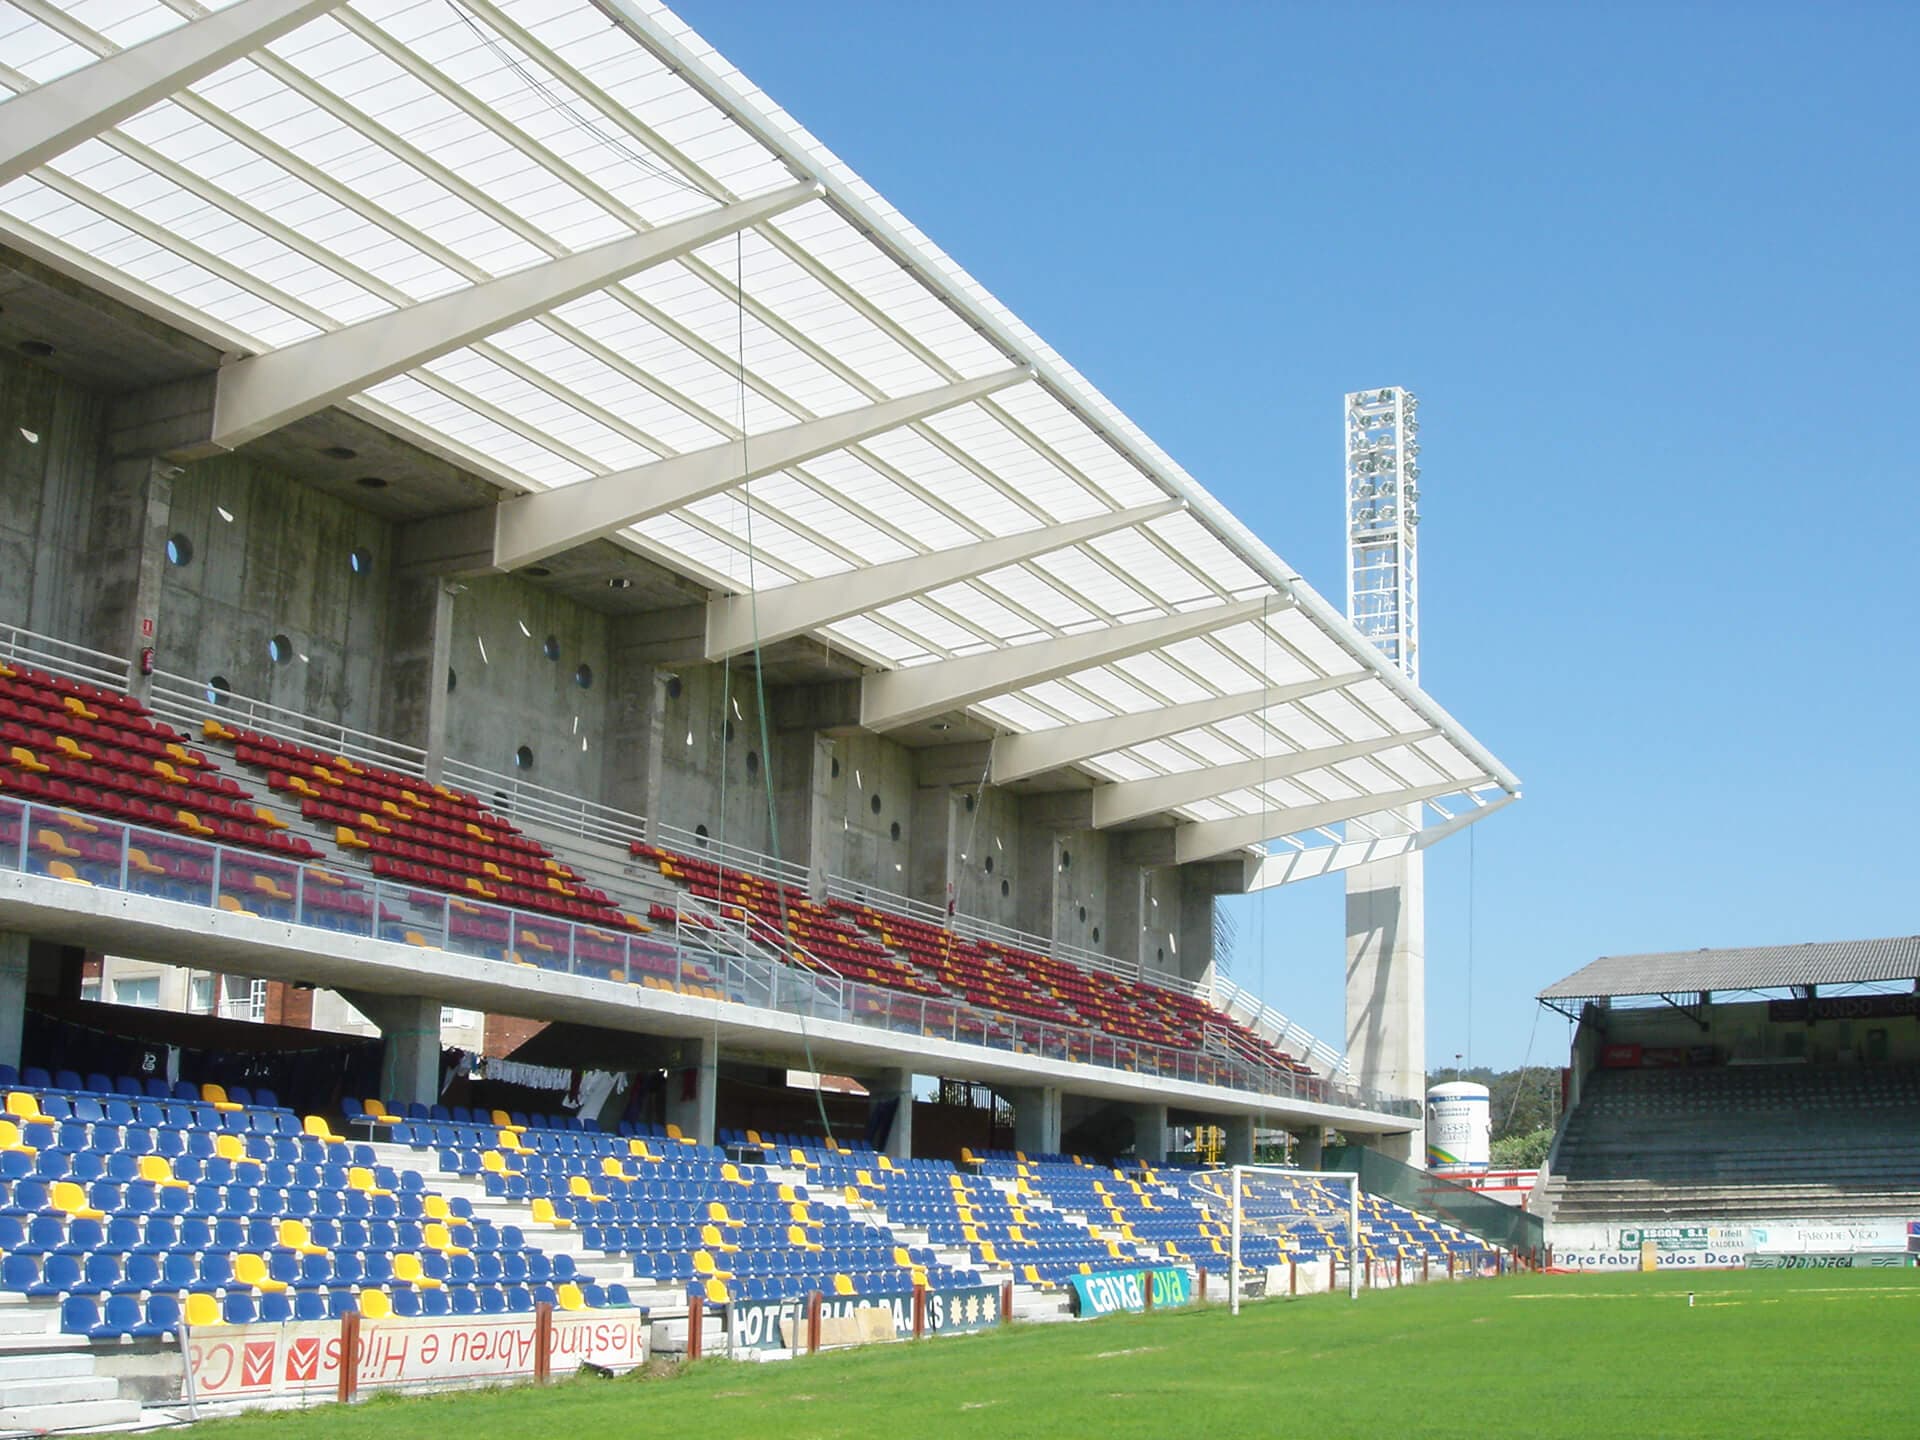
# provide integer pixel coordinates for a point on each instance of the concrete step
(55, 1366)
(36, 1319)
(57, 1390)
(80, 1415)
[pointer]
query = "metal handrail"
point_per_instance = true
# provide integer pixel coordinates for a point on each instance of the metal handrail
(687, 956)
(973, 927)
(47, 652)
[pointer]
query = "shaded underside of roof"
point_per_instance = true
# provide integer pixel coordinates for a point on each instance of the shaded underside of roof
(1746, 967)
(391, 152)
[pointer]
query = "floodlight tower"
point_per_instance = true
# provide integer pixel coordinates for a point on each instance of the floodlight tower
(1386, 899)
(1383, 522)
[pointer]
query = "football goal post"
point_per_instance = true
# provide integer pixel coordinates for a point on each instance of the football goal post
(1270, 1209)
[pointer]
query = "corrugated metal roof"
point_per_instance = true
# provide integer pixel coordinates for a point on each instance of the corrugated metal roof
(1747, 967)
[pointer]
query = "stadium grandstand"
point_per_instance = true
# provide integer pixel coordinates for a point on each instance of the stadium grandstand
(537, 609)
(1728, 1104)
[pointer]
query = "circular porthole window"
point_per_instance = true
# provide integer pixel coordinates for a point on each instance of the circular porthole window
(876, 804)
(360, 561)
(583, 676)
(453, 679)
(969, 802)
(987, 864)
(1005, 889)
(1066, 859)
(1096, 934)
(894, 830)
(1161, 954)
(280, 649)
(674, 687)
(700, 834)
(551, 647)
(753, 763)
(836, 767)
(523, 758)
(1083, 914)
(218, 690)
(179, 550)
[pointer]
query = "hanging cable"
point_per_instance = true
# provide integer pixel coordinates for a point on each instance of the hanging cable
(785, 936)
(1472, 870)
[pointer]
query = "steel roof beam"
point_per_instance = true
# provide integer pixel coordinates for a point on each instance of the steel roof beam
(892, 698)
(1295, 865)
(795, 609)
(1020, 757)
(260, 394)
(50, 119)
(534, 526)
(1205, 839)
(1130, 799)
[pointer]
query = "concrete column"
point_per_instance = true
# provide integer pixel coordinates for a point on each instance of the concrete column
(1036, 1119)
(1387, 978)
(437, 697)
(896, 1086)
(693, 1084)
(420, 651)
(937, 837)
(410, 1026)
(128, 561)
(803, 808)
(1150, 1134)
(13, 995)
(1195, 930)
(1309, 1147)
(1126, 898)
(1239, 1138)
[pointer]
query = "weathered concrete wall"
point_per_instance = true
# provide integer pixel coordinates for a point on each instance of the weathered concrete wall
(1080, 890)
(1160, 921)
(512, 692)
(47, 490)
(872, 809)
(712, 753)
(988, 878)
(280, 567)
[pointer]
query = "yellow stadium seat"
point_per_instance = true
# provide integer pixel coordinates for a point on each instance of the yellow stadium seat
(71, 1199)
(374, 1304)
(203, 1311)
(251, 1269)
(295, 1236)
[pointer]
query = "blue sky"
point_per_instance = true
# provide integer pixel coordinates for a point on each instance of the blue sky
(1651, 270)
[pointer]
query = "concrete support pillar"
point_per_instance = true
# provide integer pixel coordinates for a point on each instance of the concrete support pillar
(803, 803)
(420, 647)
(693, 1085)
(410, 1026)
(1387, 983)
(936, 839)
(1150, 1134)
(437, 698)
(1126, 899)
(895, 1086)
(1194, 934)
(128, 562)
(13, 996)
(1309, 1147)
(1036, 1120)
(1239, 1138)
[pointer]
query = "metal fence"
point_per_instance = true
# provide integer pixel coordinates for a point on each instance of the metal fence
(1507, 1226)
(717, 960)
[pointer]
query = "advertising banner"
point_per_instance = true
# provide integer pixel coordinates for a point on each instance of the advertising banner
(1112, 1294)
(1891, 1260)
(758, 1325)
(239, 1361)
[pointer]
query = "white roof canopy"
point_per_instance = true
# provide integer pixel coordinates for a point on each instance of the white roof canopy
(385, 155)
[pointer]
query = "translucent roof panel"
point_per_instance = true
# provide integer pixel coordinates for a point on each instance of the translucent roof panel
(392, 152)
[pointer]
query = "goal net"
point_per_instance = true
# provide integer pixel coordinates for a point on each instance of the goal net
(1276, 1216)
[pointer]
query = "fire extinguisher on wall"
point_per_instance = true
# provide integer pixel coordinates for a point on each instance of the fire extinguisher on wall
(146, 660)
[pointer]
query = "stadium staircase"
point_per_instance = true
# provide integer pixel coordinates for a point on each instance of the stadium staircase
(1759, 1142)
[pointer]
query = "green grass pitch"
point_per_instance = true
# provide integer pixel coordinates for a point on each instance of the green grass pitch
(1823, 1354)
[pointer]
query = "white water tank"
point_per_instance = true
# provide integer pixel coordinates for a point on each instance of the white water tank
(1459, 1127)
